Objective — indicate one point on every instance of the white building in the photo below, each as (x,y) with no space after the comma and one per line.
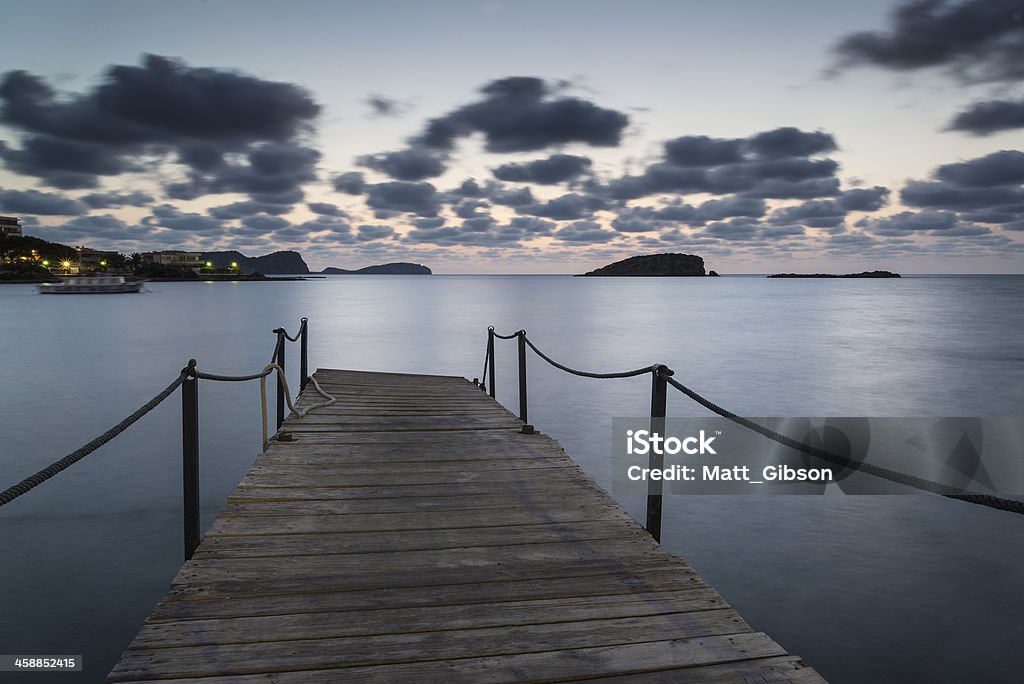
(9,225)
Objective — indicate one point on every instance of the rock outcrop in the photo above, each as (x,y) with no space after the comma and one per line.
(397,268)
(864,274)
(654,265)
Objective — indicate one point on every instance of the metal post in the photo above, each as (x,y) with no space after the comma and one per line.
(490,359)
(304,364)
(659,397)
(190,459)
(281,342)
(521,335)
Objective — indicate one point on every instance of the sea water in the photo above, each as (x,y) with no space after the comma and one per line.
(865,588)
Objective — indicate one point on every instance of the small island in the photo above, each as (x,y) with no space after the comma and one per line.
(397,268)
(864,274)
(659,265)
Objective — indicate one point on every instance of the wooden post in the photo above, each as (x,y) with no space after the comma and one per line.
(659,399)
(190,461)
(279,359)
(521,336)
(490,359)
(304,363)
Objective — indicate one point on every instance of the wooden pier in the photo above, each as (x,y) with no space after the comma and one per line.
(412,533)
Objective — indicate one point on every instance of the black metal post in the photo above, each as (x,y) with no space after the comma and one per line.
(490,359)
(521,335)
(304,363)
(659,398)
(190,459)
(281,342)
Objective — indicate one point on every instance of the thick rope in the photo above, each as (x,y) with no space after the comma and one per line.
(585,374)
(869,468)
(267,370)
(33,481)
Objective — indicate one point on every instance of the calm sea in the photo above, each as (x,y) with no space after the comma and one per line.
(870,588)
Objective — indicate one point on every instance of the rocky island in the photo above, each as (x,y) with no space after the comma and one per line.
(397,268)
(864,274)
(654,265)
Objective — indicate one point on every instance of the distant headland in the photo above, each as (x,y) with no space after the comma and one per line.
(864,274)
(397,268)
(662,265)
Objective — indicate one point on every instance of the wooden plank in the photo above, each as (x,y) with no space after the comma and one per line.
(290,655)
(185,603)
(546,665)
(405,619)
(410,532)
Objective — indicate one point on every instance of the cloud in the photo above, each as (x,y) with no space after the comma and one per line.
(1005,167)
(401,196)
(113,200)
(521,114)
(989,116)
(367,233)
(557,168)
(167,216)
(864,199)
(247,208)
(565,208)
(381,105)
(350,183)
(36,202)
(412,164)
(162,108)
(813,214)
(909,222)
(771,164)
(977,40)
(327,209)
(584,231)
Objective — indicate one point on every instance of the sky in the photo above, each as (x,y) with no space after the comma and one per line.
(523,137)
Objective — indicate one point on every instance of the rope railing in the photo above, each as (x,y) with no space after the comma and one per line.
(187,380)
(661,376)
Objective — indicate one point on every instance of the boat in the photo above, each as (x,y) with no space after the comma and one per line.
(91,284)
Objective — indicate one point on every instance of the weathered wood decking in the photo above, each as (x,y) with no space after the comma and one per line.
(410,533)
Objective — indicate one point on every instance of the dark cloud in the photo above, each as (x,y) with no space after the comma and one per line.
(565,208)
(521,114)
(401,196)
(381,105)
(909,222)
(948,196)
(700,150)
(989,116)
(270,172)
(772,164)
(327,209)
(111,200)
(557,168)
(36,202)
(1005,167)
(265,223)
(734,229)
(350,183)
(469,208)
(167,216)
(813,214)
(864,199)
(412,164)
(158,109)
(367,233)
(584,231)
(977,40)
(247,208)
(482,231)
(519,197)
(790,142)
